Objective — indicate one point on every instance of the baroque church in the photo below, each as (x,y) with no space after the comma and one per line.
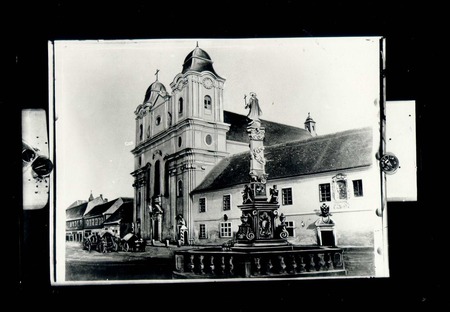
(191,163)
(180,137)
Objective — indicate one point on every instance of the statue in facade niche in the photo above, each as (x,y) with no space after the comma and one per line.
(254,110)
(180,220)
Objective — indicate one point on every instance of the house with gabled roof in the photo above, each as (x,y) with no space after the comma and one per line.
(95,218)
(120,222)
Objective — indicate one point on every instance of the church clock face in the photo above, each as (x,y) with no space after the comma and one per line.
(207,83)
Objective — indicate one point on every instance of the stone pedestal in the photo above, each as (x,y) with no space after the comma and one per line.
(258,226)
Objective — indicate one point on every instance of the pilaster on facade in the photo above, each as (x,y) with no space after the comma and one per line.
(139,172)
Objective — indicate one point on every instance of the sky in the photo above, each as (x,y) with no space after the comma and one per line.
(99,84)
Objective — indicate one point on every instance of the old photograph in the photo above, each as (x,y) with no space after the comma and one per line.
(198,160)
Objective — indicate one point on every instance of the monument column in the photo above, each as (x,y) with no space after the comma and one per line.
(258,226)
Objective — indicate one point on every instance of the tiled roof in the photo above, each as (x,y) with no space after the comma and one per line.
(77,203)
(276,133)
(74,212)
(337,151)
(124,213)
(99,209)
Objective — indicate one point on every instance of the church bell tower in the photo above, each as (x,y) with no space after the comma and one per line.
(180,136)
(197,99)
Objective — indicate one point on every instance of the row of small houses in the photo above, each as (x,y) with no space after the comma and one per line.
(98,214)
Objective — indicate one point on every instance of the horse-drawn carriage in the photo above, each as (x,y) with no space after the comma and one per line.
(92,242)
(103,241)
(110,242)
(131,242)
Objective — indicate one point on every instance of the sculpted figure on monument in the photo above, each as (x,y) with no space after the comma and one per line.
(274,195)
(254,110)
(265,229)
(247,195)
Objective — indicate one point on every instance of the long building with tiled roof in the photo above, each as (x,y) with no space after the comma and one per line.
(74,221)
(312,155)
(98,214)
(338,170)
(276,133)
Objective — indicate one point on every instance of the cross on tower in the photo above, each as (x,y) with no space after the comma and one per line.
(156,74)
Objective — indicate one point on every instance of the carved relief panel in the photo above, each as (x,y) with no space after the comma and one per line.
(341,191)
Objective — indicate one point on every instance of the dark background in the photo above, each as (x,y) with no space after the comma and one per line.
(414,59)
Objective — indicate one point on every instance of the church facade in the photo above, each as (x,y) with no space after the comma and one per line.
(191,164)
(180,136)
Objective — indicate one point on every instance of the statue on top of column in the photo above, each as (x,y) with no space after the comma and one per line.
(254,110)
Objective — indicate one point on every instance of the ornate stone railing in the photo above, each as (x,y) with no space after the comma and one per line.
(218,263)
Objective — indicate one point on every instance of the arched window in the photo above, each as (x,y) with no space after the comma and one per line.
(166,178)
(207,102)
(169,119)
(138,206)
(141,132)
(180,106)
(148,183)
(157,182)
(180,188)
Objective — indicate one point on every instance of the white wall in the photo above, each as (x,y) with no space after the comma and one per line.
(355,224)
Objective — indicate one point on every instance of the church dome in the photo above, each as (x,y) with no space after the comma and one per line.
(198,53)
(155,89)
(198,60)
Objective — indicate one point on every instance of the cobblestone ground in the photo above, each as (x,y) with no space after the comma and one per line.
(156,262)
